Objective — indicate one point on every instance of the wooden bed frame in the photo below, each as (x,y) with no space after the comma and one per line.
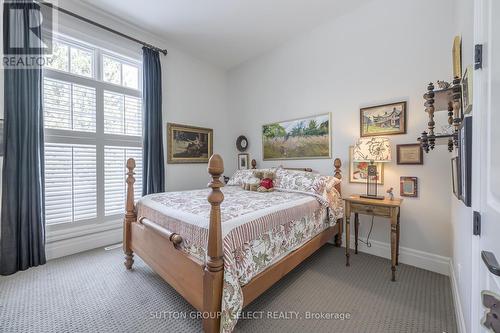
(199,283)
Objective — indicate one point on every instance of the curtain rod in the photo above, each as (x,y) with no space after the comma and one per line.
(84,19)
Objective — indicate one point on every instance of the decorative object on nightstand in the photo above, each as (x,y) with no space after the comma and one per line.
(409,154)
(390,209)
(391,194)
(409,187)
(242,143)
(243,161)
(373,149)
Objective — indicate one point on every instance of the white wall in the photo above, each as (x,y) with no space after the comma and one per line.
(461,216)
(385,51)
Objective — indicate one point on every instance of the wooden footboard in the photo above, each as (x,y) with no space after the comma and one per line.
(201,284)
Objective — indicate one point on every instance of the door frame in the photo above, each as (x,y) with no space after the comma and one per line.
(481,77)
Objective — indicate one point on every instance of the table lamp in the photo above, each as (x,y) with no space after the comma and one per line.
(373,149)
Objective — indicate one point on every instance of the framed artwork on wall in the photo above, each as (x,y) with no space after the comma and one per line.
(410,154)
(358,171)
(388,119)
(455,176)
(467,90)
(188,144)
(408,187)
(243,161)
(465,159)
(456,54)
(304,138)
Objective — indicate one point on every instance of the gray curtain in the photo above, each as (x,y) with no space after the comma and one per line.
(153,177)
(22,242)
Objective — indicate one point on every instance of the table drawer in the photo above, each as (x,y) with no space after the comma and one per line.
(371,210)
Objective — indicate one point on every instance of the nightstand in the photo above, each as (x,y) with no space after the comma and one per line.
(389,209)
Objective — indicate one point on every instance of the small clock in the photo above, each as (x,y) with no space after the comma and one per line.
(242,143)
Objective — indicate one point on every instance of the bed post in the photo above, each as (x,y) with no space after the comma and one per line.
(338,174)
(214,269)
(129,215)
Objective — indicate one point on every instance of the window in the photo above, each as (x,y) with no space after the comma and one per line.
(93,124)
(120,73)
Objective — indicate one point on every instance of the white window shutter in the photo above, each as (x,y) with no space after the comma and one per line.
(115,159)
(70,183)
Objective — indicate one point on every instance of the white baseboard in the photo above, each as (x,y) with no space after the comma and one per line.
(425,260)
(87,242)
(456,300)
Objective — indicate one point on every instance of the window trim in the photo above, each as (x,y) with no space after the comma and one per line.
(99,138)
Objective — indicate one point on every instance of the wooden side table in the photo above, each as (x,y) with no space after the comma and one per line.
(382,208)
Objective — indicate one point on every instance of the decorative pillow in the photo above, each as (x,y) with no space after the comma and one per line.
(304,181)
(241,177)
(295,180)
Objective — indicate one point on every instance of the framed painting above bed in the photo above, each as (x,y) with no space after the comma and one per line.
(303,138)
(188,144)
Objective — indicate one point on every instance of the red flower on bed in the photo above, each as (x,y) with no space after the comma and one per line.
(267,183)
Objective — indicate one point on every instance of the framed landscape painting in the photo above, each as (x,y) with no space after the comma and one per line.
(358,171)
(188,144)
(389,119)
(304,138)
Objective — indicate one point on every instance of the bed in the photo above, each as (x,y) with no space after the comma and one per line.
(221,249)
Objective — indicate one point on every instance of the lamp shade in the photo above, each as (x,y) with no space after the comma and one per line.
(376,149)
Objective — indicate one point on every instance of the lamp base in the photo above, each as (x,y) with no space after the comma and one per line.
(376,197)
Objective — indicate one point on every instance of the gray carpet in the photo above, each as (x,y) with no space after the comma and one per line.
(92,292)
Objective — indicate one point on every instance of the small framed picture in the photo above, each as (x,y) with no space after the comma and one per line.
(243,161)
(408,187)
(388,119)
(467,90)
(455,176)
(410,154)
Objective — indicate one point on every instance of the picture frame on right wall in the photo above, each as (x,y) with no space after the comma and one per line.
(455,176)
(465,160)
(408,187)
(467,93)
(410,154)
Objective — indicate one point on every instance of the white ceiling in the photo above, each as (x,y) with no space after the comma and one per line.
(227,32)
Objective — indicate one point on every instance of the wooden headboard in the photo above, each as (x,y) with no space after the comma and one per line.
(337,163)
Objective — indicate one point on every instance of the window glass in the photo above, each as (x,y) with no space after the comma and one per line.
(82,62)
(111,70)
(60,57)
(130,76)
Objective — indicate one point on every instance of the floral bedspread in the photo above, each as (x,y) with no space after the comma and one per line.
(258,229)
